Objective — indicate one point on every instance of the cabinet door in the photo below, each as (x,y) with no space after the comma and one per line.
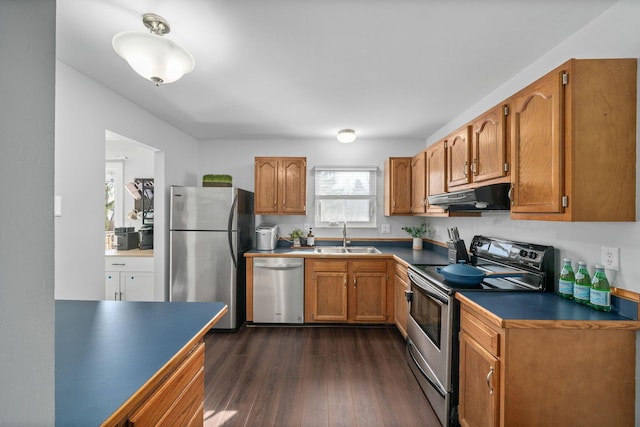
(330,296)
(368,296)
(137,286)
(397,186)
(112,286)
(401,312)
(458,154)
(418,183)
(536,135)
(266,185)
(293,190)
(436,164)
(489,148)
(479,385)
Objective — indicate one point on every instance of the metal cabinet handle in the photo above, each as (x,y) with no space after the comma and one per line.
(489,377)
(115,296)
(354,282)
(510,194)
(464,168)
(474,167)
(118,263)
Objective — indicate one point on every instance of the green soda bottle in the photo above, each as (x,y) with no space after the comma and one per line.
(567,279)
(582,286)
(600,296)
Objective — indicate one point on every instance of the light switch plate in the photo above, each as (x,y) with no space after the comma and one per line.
(385,228)
(57,206)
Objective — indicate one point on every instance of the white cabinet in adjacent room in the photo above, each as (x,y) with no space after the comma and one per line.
(128,278)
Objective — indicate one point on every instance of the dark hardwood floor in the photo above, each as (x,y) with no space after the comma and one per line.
(311,376)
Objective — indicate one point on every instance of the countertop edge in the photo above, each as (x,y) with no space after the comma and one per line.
(155,381)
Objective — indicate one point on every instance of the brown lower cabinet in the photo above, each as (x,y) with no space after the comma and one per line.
(401,284)
(178,397)
(544,373)
(348,291)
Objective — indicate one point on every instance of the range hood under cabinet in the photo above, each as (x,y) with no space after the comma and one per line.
(488,198)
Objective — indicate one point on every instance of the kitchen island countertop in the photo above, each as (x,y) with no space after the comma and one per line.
(107,350)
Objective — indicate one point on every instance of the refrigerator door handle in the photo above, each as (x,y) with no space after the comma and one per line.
(230,230)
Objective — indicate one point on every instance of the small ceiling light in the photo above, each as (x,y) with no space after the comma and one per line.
(151,55)
(346,136)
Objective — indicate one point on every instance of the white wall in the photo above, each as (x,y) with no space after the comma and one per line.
(79,178)
(27,47)
(236,158)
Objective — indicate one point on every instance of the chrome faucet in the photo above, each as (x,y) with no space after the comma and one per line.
(344,235)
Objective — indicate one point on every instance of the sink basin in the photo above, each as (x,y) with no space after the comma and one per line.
(363,250)
(346,251)
(330,250)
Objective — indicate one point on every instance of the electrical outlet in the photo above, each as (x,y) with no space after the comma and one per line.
(385,228)
(611,258)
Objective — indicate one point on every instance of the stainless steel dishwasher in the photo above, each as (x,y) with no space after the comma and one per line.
(278,290)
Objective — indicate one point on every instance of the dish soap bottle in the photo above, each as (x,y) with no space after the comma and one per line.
(600,296)
(582,286)
(567,279)
(310,238)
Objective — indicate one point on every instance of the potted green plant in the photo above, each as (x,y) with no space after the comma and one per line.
(416,233)
(296,235)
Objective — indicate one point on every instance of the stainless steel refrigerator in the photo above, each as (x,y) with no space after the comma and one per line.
(210,229)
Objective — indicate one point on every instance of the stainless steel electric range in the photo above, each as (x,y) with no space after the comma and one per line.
(434,315)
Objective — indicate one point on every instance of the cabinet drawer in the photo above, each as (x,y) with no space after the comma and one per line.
(401,272)
(479,331)
(123,263)
(368,265)
(183,390)
(322,265)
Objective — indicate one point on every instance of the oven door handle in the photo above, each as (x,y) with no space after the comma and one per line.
(431,377)
(428,289)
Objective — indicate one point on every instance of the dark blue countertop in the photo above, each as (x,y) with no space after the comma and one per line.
(106,350)
(533,306)
(430,255)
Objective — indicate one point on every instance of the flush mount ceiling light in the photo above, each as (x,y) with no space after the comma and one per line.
(346,136)
(151,55)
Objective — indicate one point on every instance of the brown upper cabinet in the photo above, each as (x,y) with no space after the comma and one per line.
(458,147)
(489,148)
(397,186)
(418,184)
(435,161)
(280,185)
(574,143)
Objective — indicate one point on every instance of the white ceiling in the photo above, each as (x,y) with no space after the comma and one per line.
(280,69)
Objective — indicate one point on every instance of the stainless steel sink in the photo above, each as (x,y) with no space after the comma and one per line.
(363,250)
(330,250)
(347,250)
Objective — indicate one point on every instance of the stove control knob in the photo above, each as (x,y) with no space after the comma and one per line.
(523,253)
(533,255)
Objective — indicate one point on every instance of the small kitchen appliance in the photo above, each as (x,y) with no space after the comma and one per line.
(146,236)
(433,323)
(266,237)
(125,238)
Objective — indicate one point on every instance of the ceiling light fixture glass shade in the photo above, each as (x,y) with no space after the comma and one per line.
(151,55)
(346,136)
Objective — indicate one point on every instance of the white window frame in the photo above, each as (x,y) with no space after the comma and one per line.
(368,197)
